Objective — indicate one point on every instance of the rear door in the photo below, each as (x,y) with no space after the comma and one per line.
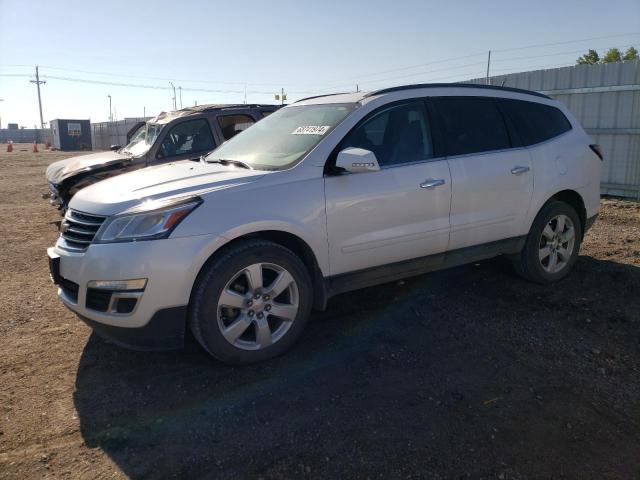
(231,124)
(492,182)
(398,213)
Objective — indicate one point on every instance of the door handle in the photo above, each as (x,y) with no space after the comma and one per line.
(432,183)
(519,170)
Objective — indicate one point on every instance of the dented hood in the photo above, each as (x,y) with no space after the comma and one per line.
(119,193)
(63,169)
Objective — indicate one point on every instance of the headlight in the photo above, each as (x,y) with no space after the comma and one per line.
(149,221)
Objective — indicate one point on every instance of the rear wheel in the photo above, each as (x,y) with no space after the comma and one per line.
(552,245)
(251,303)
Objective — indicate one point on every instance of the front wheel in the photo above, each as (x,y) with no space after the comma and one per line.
(552,245)
(251,303)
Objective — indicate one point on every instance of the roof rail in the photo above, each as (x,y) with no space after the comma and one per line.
(320,96)
(217,106)
(456,85)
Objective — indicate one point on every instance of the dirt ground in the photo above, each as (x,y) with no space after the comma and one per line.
(466,373)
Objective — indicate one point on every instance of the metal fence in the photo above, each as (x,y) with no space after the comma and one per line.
(105,134)
(606,100)
(25,135)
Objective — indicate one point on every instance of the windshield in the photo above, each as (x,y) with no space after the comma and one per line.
(284,137)
(143,139)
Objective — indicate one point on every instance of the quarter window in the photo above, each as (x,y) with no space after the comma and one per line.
(231,125)
(193,136)
(534,122)
(471,125)
(398,134)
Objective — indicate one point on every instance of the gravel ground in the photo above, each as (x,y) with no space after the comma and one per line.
(466,373)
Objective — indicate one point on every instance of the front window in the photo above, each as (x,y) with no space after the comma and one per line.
(187,138)
(284,137)
(143,139)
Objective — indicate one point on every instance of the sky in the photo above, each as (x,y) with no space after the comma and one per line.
(216,51)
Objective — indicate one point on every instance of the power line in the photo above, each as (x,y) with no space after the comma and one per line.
(145,77)
(146,86)
(428,72)
(556,54)
(444,60)
(568,42)
(352,79)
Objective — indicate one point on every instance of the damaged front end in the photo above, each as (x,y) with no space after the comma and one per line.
(66,182)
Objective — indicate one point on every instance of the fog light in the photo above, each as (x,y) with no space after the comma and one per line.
(119,285)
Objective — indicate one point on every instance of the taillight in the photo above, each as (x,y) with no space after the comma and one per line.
(597,150)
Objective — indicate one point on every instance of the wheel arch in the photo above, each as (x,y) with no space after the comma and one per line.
(290,241)
(574,199)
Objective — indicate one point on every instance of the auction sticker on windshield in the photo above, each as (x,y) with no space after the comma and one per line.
(311,130)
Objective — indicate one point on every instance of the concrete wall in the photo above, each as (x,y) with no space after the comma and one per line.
(26,135)
(606,100)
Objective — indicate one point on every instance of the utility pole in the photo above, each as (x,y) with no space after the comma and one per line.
(144,112)
(488,65)
(282,97)
(110,114)
(174,95)
(38,82)
(180,90)
(357,88)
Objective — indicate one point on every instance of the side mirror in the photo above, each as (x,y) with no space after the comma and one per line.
(113,148)
(357,160)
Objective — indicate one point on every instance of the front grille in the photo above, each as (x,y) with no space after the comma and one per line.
(78,229)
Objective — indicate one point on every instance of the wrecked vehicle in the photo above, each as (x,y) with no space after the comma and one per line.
(180,135)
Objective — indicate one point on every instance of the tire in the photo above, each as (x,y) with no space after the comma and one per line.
(235,317)
(545,242)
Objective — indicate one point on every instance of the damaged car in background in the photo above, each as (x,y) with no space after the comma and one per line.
(180,135)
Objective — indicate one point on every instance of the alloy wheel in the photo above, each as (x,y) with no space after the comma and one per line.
(557,243)
(257,306)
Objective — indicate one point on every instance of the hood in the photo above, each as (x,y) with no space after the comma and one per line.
(62,169)
(118,193)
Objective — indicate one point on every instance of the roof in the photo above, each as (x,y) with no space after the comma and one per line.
(359,96)
(166,117)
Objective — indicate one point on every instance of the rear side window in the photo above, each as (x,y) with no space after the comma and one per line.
(231,125)
(534,122)
(471,125)
(193,136)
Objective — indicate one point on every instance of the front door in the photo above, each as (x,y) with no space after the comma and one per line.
(398,213)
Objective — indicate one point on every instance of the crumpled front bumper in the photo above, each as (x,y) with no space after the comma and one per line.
(54,196)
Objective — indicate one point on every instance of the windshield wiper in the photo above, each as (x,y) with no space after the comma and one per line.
(225,161)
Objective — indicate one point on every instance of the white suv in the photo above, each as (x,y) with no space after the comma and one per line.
(329,194)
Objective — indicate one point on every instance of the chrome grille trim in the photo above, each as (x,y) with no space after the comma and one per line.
(78,229)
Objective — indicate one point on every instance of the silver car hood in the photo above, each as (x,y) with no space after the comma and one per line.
(62,169)
(119,193)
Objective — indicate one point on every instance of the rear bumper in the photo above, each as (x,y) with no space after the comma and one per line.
(165,331)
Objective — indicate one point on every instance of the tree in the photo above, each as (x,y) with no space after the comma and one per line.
(630,54)
(613,55)
(589,58)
